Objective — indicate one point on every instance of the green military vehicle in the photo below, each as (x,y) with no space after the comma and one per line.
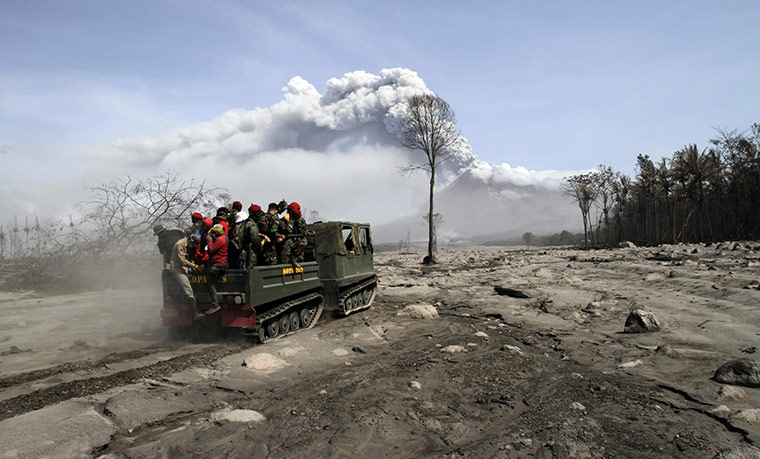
(273,301)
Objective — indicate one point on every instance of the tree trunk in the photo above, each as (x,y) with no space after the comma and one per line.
(431,222)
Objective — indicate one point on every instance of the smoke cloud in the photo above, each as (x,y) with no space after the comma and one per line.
(337,152)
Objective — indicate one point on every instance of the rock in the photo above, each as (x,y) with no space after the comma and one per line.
(419,311)
(631,364)
(73,428)
(667,351)
(135,408)
(576,375)
(751,415)
(229,415)
(481,334)
(264,362)
(510,292)
(577,406)
(14,350)
(739,452)
(731,393)
(526,442)
(721,410)
(340,352)
(415,385)
(512,349)
(323,392)
(627,245)
(453,349)
(358,349)
(741,372)
(641,321)
(542,272)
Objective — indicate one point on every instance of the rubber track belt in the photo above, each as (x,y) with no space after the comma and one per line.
(260,319)
(345,295)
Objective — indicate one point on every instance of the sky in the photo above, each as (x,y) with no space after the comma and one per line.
(537,85)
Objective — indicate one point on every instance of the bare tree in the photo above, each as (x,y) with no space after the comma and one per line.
(582,189)
(604,181)
(430,126)
(121,212)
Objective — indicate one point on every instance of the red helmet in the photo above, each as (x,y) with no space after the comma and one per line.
(196,215)
(208,223)
(254,208)
(295,208)
(237,205)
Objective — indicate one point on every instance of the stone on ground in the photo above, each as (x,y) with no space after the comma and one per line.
(230,415)
(481,334)
(631,364)
(264,362)
(577,406)
(667,351)
(731,393)
(415,385)
(739,452)
(453,349)
(134,408)
(721,410)
(741,372)
(751,415)
(641,321)
(627,245)
(419,311)
(512,349)
(69,429)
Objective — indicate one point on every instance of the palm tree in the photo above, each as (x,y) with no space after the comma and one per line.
(694,170)
(665,180)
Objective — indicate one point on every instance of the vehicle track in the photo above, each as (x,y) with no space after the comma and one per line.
(88,386)
(86,365)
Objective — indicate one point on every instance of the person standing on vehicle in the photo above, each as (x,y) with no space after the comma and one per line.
(166,240)
(235,221)
(293,225)
(269,229)
(217,261)
(199,254)
(197,221)
(180,264)
(222,216)
(250,238)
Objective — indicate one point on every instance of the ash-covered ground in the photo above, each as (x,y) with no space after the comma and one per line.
(550,375)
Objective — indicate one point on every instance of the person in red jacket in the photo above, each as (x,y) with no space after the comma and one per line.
(200,255)
(217,261)
(222,216)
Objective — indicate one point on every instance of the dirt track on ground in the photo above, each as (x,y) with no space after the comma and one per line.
(550,375)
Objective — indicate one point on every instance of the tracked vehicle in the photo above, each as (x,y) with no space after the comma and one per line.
(273,301)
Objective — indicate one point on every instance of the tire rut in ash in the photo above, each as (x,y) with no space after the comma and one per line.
(69,367)
(83,387)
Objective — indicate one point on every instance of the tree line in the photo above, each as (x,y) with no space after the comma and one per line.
(695,195)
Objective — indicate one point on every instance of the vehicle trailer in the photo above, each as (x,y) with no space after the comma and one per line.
(272,301)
